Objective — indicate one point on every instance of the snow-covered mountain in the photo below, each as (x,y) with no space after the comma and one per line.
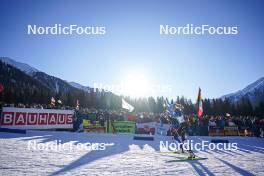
(53,83)
(81,87)
(27,85)
(254,92)
(21,66)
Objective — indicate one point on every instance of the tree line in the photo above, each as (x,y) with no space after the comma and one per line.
(22,88)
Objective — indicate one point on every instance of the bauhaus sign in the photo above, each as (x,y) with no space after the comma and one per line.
(30,118)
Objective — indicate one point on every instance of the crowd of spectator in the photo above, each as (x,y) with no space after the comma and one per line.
(201,126)
(197,126)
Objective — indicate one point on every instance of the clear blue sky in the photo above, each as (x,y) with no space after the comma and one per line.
(218,64)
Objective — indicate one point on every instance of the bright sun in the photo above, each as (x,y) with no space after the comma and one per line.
(136,84)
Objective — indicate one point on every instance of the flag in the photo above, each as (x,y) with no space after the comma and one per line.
(1,88)
(127,106)
(199,104)
(77,104)
(174,110)
(52,101)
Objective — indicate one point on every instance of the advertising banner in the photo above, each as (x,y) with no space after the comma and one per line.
(216,131)
(231,131)
(122,127)
(31,118)
(162,129)
(245,131)
(146,128)
(93,126)
(86,123)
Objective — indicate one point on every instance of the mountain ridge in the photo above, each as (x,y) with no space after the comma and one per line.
(19,65)
(53,83)
(254,92)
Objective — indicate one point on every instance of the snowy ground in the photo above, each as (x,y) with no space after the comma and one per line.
(124,156)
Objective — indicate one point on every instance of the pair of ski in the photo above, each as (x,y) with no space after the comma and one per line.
(184,158)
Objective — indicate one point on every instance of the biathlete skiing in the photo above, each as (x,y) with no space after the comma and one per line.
(179,127)
(179,135)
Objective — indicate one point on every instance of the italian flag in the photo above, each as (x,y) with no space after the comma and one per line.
(199,104)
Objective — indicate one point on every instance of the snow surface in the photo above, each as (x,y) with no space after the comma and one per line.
(123,156)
